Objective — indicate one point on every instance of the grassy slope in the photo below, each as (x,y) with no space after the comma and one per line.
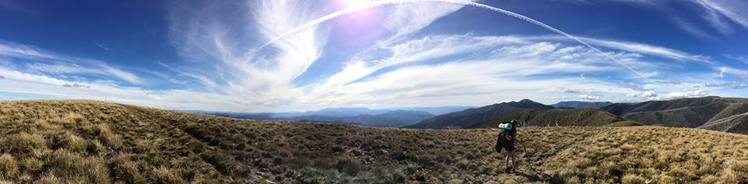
(686,112)
(93,142)
(557,117)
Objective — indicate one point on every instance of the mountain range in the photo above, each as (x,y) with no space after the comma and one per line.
(351,115)
(528,112)
(396,118)
(715,113)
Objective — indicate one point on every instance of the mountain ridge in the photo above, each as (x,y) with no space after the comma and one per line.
(703,112)
(471,117)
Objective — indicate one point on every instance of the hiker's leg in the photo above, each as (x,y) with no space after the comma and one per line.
(506,160)
(514,161)
(510,155)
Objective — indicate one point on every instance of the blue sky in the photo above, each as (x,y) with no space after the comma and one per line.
(285,55)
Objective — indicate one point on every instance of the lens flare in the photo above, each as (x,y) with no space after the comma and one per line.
(354,3)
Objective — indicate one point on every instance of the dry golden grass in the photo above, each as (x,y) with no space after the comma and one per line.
(95,142)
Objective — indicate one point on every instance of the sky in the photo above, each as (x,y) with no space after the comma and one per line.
(287,55)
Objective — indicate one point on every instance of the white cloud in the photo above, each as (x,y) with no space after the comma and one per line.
(22,82)
(405,20)
(222,54)
(650,94)
(473,78)
(732,71)
(589,97)
(742,59)
(640,48)
(734,10)
(718,13)
(49,62)
(691,93)
(217,48)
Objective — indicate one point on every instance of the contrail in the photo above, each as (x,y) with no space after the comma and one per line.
(373,4)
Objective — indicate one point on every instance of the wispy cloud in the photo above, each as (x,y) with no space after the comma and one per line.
(405,20)
(732,71)
(218,56)
(450,58)
(640,48)
(736,11)
(720,14)
(741,59)
(49,62)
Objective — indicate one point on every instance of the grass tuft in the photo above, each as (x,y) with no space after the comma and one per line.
(165,175)
(22,142)
(8,166)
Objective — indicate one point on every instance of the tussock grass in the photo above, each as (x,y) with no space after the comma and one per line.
(22,142)
(166,176)
(95,142)
(8,166)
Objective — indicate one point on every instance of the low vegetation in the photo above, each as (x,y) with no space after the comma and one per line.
(96,142)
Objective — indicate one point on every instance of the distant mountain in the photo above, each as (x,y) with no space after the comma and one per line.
(355,111)
(473,116)
(556,117)
(717,113)
(395,118)
(437,110)
(580,104)
(332,112)
(255,116)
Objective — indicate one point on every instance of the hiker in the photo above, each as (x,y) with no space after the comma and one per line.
(506,141)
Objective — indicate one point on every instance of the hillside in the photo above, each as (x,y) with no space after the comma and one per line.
(705,112)
(95,142)
(474,116)
(556,117)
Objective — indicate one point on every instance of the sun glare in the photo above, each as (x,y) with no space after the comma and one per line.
(354,3)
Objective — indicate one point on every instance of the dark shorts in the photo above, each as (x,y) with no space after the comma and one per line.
(505,146)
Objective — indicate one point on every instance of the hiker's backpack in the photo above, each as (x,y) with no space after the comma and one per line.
(506,128)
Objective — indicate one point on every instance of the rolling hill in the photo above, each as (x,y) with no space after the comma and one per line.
(717,113)
(527,112)
(556,117)
(471,117)
(97,142)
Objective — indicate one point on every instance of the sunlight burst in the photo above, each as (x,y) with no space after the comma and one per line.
(354,3)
